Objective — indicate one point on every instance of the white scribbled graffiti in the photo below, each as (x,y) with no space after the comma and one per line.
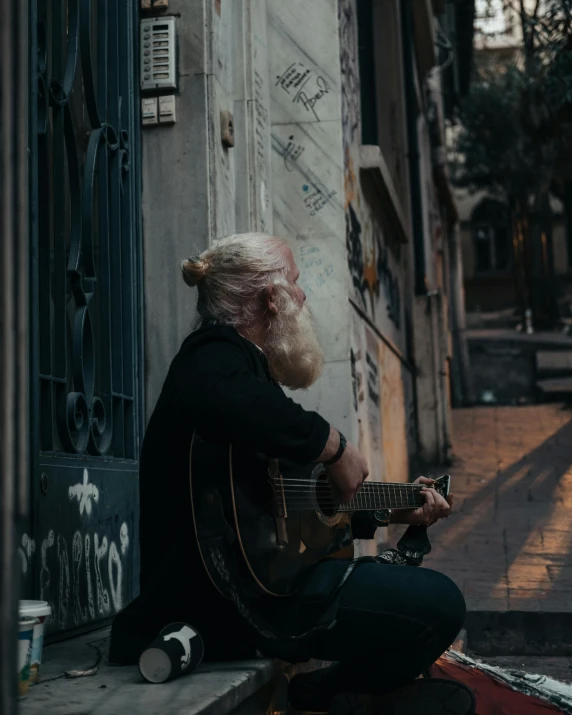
(124,538)
(64,586)
(115,583)
(26,551)
(84,492)
(77,552)
(102,593)
(45,575)
(90,602)
(73,594)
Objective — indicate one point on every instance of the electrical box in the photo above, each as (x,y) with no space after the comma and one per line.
(149,112)
(158,52)
(167,109)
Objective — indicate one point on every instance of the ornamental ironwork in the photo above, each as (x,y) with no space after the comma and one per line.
(86,262)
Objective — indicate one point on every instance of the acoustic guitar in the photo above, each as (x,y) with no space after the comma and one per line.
(275,520)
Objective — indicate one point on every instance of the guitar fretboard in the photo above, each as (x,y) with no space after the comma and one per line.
(384,495)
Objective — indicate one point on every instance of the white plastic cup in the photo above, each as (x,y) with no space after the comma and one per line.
(25,634)
(178,649)
(40,611)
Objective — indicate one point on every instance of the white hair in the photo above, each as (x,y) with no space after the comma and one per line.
(232,274)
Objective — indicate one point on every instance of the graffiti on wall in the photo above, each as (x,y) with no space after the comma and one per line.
(377,269)
(292,152)
(372,275)
(349,70)
(374,271)
(316,196)
(26,551)
(381,403)
(305,86)
(372,379)
(83,578)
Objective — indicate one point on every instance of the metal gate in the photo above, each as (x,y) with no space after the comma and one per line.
(80,553)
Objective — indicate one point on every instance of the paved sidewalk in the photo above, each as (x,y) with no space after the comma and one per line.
(509,543)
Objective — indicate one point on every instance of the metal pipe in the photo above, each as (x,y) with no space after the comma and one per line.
(413,149)
(14,378)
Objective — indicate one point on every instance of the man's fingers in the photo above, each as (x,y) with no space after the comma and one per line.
(441,505)
(429,495)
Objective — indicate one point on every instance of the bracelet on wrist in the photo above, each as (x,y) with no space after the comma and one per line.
(338,455)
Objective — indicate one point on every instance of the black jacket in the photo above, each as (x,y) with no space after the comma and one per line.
(219,385)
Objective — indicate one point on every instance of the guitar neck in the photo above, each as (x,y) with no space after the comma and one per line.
(385,495)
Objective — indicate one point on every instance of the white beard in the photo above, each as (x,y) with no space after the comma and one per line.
(294,353)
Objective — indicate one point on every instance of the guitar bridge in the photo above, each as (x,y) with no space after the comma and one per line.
(279,501)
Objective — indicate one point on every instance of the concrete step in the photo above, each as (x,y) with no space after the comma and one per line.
(555,387)
(239,688)
(553,363)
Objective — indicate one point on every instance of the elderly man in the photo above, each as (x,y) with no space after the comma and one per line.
(385,624)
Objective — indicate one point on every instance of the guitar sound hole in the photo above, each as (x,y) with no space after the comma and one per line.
(324,496)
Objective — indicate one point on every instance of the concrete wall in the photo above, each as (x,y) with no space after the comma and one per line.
(307,181)
(178,197)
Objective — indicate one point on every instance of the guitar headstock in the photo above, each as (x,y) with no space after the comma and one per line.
(443,485)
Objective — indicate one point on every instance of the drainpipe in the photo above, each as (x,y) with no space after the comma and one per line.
(413,149)
(14,319)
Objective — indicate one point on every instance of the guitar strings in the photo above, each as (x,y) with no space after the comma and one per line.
(323,488)
(325,497)
(326,488)
(382,485)
(328,497)
(321,494)
(306,493)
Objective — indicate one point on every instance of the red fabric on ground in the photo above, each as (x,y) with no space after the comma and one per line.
(493,697)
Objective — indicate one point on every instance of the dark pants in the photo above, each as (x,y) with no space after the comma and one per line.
(392,624)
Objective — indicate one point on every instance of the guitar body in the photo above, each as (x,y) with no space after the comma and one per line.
(241,498)
(263,525)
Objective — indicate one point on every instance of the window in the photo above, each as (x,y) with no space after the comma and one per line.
(382,102)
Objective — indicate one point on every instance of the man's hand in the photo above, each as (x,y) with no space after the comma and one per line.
(435,507)
(347,475)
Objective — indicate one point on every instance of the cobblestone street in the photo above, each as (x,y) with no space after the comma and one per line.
(508,544)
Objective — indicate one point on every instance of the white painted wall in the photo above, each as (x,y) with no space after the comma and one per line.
(307,182)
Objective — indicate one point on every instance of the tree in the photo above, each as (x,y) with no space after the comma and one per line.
(515,140)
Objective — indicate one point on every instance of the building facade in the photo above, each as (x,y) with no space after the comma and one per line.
(318,122)
(488,260)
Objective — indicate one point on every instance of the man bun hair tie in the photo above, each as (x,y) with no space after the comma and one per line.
(194,270)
